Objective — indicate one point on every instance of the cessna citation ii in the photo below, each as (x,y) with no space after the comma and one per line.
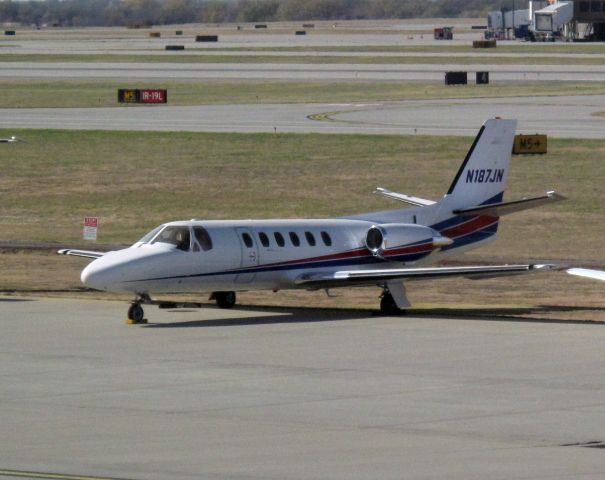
(382,248)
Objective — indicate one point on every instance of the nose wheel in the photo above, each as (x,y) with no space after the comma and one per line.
(136,314)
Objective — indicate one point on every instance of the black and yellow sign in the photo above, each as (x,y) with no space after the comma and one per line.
(128,95)
(525,144)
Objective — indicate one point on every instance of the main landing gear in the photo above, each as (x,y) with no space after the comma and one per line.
(388,306)
(224,299)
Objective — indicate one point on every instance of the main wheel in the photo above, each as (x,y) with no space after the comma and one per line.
(225,299)
(388,305)
(136,313)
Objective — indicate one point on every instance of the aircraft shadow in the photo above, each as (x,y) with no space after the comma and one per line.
(16,299)
(281,315)
(514,314)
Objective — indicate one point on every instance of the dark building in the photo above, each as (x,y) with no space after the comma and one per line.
(591,12)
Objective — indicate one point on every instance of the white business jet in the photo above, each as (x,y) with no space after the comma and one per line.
(382,248)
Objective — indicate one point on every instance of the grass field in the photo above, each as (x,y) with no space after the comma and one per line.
(135,180)
(201,57)
(26,93)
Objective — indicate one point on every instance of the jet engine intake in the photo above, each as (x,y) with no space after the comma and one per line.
(393,237)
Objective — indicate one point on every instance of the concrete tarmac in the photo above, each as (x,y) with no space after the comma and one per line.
(302,394)
(294,71)
(568,117)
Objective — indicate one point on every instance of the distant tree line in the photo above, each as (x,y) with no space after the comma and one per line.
(159,12)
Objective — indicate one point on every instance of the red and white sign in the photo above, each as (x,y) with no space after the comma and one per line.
(90,228)
(153,96)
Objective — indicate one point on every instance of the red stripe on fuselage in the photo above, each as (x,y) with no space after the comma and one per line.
(356,253)
(470,226)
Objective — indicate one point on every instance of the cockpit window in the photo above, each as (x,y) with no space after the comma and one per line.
(202,236)
(174,235)
(149,236)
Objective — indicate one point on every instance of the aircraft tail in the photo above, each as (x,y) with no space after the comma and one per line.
(480,181)
(482,176)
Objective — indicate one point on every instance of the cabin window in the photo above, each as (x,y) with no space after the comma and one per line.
(247,240)
(595,7)
(203,238)
(584,6)
(310,238)
(178,236)
(279,238)
(294,239)
(325,236)
(264,240)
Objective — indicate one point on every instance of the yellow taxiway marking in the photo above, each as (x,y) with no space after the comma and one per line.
(51,476)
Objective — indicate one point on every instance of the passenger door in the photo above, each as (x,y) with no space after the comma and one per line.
(249,255)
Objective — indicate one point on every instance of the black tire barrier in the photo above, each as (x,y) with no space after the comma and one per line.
(175,47)
(484,43)
(260,25)
(456,78)
(206,38)
(178,32)
(300,32)
(482,78)
(9,32)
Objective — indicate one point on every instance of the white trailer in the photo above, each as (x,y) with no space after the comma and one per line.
(555,20)
(499,22)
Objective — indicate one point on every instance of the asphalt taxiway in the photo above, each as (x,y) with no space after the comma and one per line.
(294,71)
(277,394)
(568,117)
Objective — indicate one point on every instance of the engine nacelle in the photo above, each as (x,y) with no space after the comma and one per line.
(393,237)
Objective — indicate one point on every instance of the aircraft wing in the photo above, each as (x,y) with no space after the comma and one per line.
(588,273)
(373,277)
(504,208)
(80,253)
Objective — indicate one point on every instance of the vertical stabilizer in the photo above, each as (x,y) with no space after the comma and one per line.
(482,177)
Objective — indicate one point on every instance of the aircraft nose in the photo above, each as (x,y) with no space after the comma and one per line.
(102,275)
(94,276)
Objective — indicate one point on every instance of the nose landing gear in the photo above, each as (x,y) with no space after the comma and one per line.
(136,314)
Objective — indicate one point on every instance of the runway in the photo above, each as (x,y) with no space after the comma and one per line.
(272,394)
(568,117)
(294,71)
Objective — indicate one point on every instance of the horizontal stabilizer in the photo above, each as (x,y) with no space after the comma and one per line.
(588,273)
(504,208)
(417,202)
(368,277)
(81,253)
